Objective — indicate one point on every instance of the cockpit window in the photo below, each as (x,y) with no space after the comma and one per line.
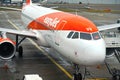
(86,36)
(70,34)
(96,36)
(75,36)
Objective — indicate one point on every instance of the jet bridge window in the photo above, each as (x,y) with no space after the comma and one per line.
(85,36)
(96,36)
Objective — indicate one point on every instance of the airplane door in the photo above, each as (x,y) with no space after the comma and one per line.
(58,36)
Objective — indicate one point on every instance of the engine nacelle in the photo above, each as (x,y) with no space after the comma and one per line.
(109,52)
(7,48)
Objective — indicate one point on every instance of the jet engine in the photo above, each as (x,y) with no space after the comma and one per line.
(109,52)
(7,48)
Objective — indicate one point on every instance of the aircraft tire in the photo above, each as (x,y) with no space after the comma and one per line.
(116,77)
(77,76)
(20,51)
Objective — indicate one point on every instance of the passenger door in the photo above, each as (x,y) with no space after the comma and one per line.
(58,36)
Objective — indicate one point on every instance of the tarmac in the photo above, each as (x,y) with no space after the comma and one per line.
(49,64)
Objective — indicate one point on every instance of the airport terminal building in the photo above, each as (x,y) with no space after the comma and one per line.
(86,1)
(98,1)
(73,1)
(89,1)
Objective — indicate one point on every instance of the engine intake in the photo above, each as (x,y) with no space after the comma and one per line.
(7,48)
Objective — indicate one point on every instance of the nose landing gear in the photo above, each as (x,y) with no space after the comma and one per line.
(77,75)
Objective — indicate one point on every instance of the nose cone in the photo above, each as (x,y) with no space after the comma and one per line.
(94,54)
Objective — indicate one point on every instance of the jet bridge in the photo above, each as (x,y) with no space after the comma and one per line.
(112,40)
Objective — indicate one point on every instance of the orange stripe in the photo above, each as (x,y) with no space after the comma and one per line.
(35,25)
(6,39)
(63,21)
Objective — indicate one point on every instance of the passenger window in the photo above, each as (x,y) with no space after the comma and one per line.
(86,36)
(75,36)
(96,36)
(70,34)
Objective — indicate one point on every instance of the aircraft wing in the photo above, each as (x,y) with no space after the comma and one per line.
(111,26)
(19,32)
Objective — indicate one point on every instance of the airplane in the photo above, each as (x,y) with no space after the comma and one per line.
(44,1)
(75,37)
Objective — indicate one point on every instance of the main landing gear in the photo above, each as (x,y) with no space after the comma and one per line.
(19,48)
(77,75)
(20,51)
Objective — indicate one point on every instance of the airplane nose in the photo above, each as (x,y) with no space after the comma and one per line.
(95,54)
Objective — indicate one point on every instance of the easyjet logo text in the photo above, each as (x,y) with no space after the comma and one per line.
(51,22)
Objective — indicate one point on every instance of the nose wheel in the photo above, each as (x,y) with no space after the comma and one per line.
(77,75)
